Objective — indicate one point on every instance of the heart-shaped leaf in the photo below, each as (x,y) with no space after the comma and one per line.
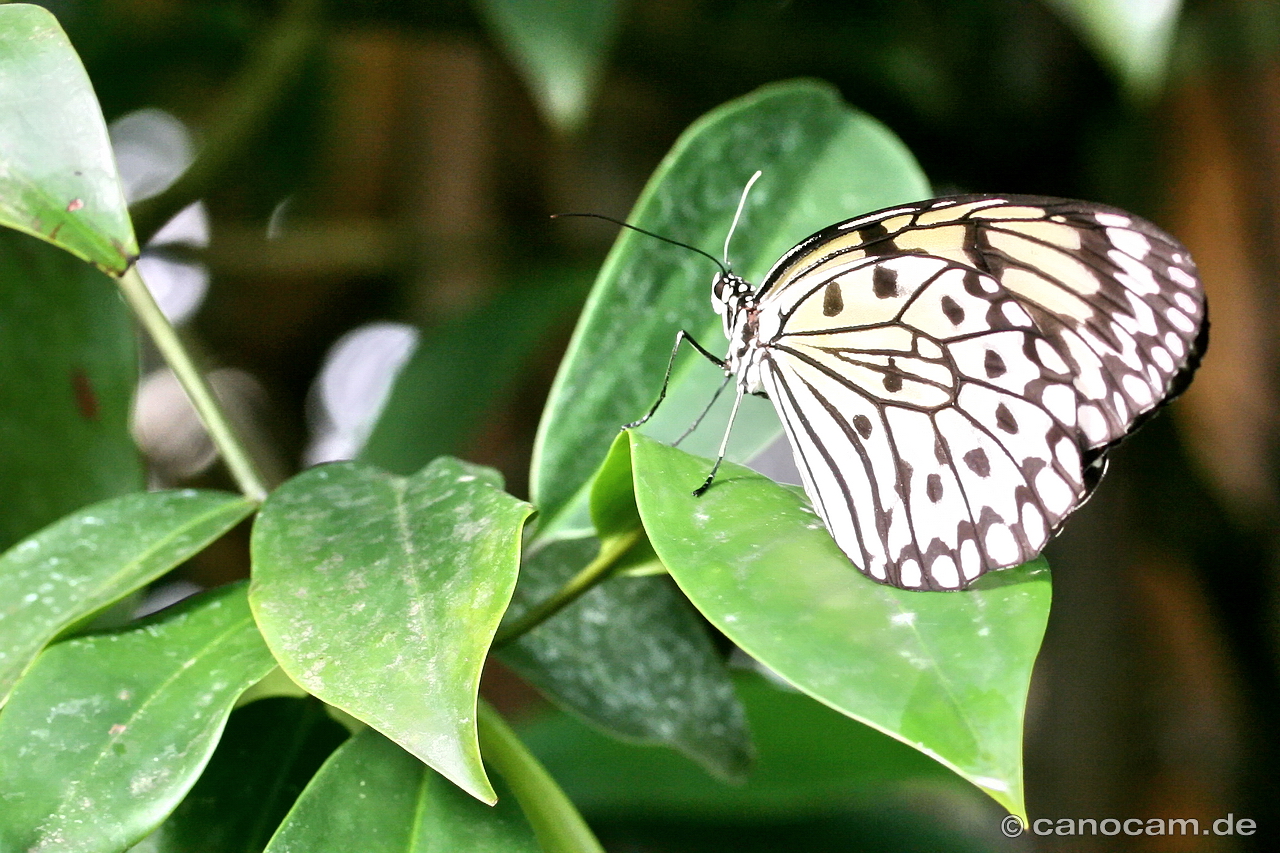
(944,672)
(106,733)
(381,595)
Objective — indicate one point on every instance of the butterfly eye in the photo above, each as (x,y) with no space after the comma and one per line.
(720,288)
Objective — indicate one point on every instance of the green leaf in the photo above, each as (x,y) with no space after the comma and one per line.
(58,176)
(823,162)
(461,368)
(95,557)
(560,48)
(613,499)
(106,733)
(944,672)
(811,761)
(267,755)
(381,595)
(632,657)
(70,360)
(373,797)
(1134,37)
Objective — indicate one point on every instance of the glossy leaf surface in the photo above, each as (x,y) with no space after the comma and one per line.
(58,176)
(374,797)
(96,556)
(945,672)
(822,161)
(381,594)
(106,733)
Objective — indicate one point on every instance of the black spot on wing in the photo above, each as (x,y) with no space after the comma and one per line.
(1005,419)
(994,365)
(884,282)
(952,310)
(832,300)
(862,424)
(933,488)
(978,462)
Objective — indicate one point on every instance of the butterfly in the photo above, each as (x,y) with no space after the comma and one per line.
(951,373)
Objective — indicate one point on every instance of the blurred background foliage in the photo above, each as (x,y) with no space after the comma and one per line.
(375,179)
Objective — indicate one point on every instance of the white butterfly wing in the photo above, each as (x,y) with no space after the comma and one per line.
(947,372)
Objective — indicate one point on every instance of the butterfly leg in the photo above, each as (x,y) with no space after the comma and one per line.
(724,442)
(698,419)
(681,337)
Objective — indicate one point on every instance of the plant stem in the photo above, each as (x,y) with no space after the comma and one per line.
(556,822)
(215,420)
(611,549)
(263,81)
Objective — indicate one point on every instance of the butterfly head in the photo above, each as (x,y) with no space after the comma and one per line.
(729,292)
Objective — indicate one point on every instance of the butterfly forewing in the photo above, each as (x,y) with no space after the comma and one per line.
(947,371)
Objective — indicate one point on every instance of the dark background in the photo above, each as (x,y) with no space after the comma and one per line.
(417,176)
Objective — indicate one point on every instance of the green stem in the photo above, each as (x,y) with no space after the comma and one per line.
(610,550)
(257,90)
(556,822)
(166,339)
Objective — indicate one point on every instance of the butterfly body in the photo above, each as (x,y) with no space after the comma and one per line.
(950,373)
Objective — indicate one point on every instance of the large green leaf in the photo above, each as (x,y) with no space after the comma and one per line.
(1134,37)
(373,797)
(267,755)
(95,557)
(944,672)
(632,657)
(58,176)
(70,366)
(106,733)
(822,160)
(381,594)
(560,48)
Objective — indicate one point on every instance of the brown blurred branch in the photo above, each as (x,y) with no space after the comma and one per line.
(271,70)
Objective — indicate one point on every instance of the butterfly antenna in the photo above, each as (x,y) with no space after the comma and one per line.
(723,268)
(742,202)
